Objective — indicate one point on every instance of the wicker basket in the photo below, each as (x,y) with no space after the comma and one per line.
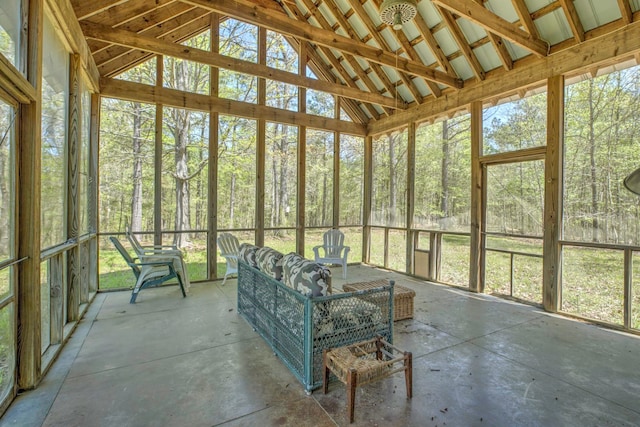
(402,297)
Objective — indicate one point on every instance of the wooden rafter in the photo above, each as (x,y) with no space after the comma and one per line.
(245,10)
(293,10)
(620,43)
(406,45)
(625,10)
(525,17)
(375,33)
(153,45)
(117,57)
(121,14)
(84,9)
(499,46)
(462,42)
(574,19)
(353,63)
(157,23)
(491,22)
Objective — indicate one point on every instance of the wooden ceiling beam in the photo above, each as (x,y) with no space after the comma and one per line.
(159,21)
(172,30)
(574,20)
(84,9)
(498,45)
(161,95)
(161,47)
(607,47)
(294,11)
(406,44)
(353,63)
(491,22)
(525,17)
(373,31)
(463,44)
(247,11)
(373,67)
(118,15)
(625,10)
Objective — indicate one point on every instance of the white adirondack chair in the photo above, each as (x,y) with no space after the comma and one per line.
(335,252)
(228,244)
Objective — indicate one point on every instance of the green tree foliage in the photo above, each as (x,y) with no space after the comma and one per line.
(601,147)
(351,179)
(388,199)
(319,178)
(236,172)
(443,175)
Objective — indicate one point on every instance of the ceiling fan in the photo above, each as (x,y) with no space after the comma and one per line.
(396,13)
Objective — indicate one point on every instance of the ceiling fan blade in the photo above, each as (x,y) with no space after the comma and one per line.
(632,182)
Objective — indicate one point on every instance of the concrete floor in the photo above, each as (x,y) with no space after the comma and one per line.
(478,361)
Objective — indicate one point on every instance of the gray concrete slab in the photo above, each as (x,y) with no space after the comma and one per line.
(478,361)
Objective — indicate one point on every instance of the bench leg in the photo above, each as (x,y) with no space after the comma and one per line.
(352,383)
(325,372)
(408,373)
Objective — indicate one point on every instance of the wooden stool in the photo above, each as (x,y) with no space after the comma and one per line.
(363,363)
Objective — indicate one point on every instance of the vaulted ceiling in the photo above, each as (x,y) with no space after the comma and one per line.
(376,70)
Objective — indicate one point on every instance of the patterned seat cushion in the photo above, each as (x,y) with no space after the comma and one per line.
(268,262)
(247,253)
(305,276)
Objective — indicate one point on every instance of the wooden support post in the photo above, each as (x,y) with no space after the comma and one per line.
(212,179)
(411,177)
(366,205)
(260,180)
(336,176)
(28,219)
(94,218)
(73,157)
(628,285)
(551,252)
(476,283)
(157,183)
(302,156)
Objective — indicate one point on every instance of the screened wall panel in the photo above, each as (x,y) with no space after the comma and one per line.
(443,175)
(236,173)
(351,179)
(602,134)
(515,124)
(55,95)
(10,31)
(319,178)
(388,199)
(127,149)
(281,175)
(185,152)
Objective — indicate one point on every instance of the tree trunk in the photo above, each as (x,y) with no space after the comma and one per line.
(136,196)
(392,183)
(182,221)
(444,177)
(592,159)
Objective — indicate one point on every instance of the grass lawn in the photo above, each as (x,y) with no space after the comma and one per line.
(592,279)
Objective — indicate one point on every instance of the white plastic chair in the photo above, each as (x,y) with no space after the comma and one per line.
(334,250)
(228,244)
(160,253)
